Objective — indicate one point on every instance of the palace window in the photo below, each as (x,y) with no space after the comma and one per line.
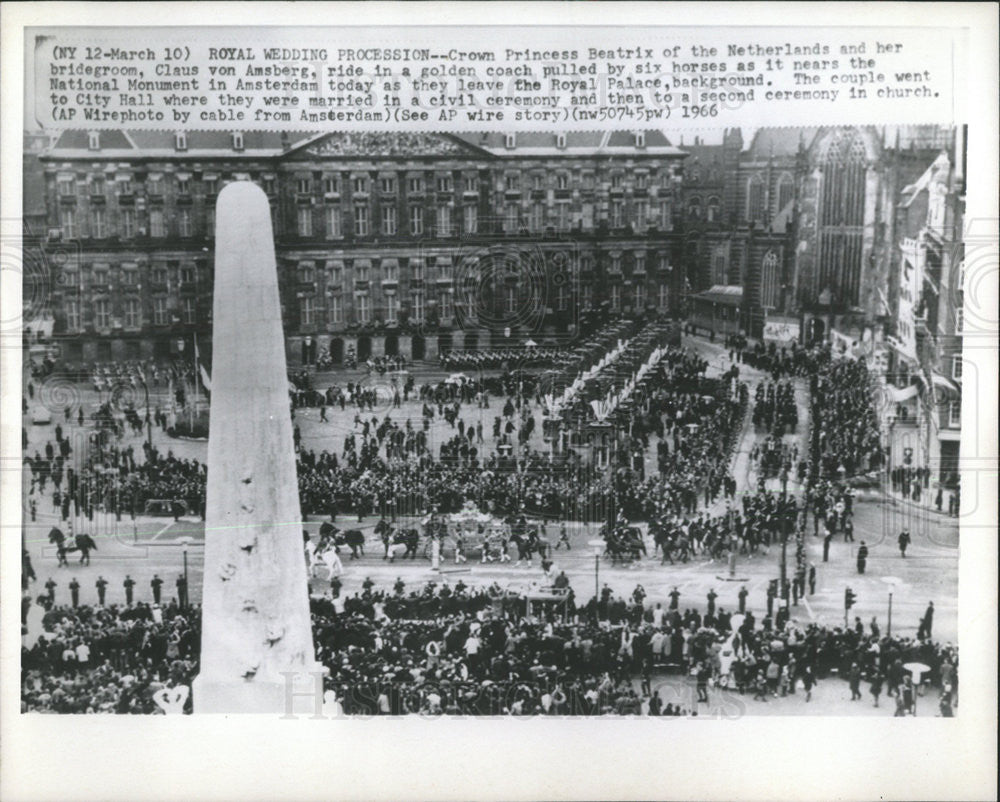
(307,311)
(335,309)
(444,220)
(334,223)
(617,214)
(445,304)
(361,227)
(102,313)
(160,311)
(133,316)
(363,305)
(127,220)
(305,225)
(537,217)
(416,220)
(156,226)
(389,220)
(470,219)
(510,220)
(641,214)
(98,223)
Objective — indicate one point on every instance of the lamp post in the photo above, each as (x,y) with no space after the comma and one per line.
(597,544)
(892,582)
(149,417)
(185,543)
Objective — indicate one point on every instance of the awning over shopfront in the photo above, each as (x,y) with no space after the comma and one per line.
(727,295)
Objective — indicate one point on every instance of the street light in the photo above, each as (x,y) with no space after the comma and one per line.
(149,417)
(891,581)
(597,545)
(185,542)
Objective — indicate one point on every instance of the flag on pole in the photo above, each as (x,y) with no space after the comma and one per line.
(202,372)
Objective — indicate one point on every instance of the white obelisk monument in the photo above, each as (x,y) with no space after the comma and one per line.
(255,601)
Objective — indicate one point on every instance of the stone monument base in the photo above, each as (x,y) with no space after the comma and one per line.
(292,696)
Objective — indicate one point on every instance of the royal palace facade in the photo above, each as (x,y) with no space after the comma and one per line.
(386,243)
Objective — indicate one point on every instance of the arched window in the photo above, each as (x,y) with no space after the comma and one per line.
(770,287)
(786,191)
(694,207)
(755,199)
(712,210)
(841,217)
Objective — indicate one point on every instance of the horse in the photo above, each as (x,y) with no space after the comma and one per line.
(354,539)
(409,539)
(634,539)
(82,543)
(329,560)
(623,544)
(57,537)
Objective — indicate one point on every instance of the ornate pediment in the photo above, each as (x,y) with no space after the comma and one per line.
(376,144)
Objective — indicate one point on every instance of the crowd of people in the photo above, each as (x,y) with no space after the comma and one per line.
(455,650)
(114,659)
(774,407)
(390,465)
(845,429)
(111,478)
(782,361)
